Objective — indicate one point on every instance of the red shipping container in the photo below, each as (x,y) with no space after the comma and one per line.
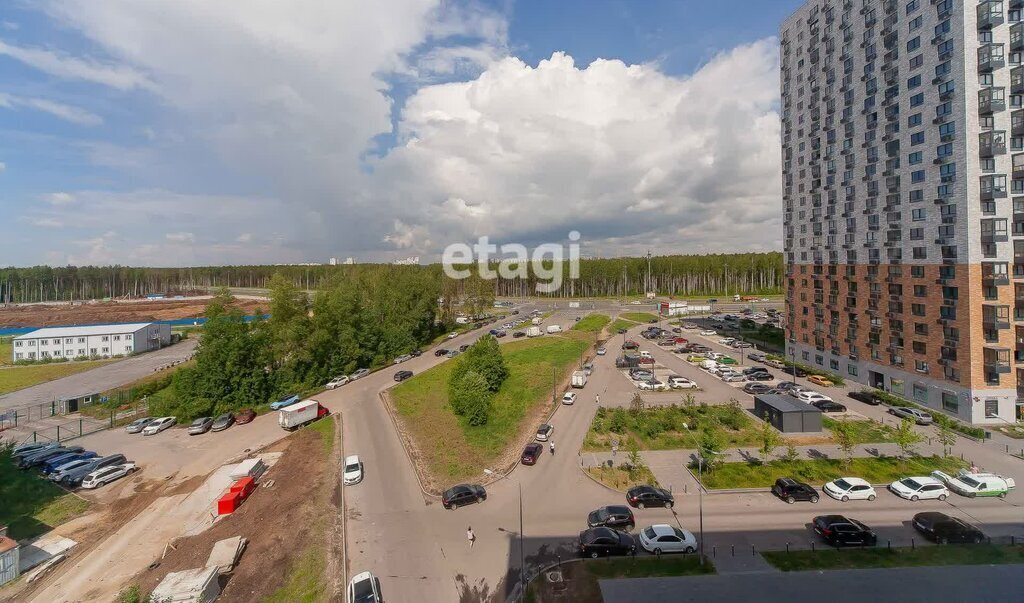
(245,485)
(228,503)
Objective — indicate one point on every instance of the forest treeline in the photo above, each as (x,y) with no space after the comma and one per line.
(681,275)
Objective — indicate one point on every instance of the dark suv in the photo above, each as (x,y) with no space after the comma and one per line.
(790,490)
(649,496)
(402,375)
(838,531)
(866,398)
(944,529)
(612,516)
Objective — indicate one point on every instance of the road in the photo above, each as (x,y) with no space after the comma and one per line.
(100,379)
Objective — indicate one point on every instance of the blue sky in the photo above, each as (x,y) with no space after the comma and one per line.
(182,132)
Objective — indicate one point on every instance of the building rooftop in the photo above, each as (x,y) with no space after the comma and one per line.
(83,331)
(785,403)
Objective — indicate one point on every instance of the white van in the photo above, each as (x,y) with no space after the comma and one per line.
(554,329)
(709,365)
(645,354)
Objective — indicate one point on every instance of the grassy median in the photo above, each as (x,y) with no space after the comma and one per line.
(877,470)
(866,431)
(673,427)
(580,579)
(644,317)
(32,505)
(592,323)
(950,554)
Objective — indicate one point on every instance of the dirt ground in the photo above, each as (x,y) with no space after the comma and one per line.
(275,520)
(46,315)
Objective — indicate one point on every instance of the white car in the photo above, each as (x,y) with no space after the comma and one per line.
(732,377)
(106,475)
(337,382)
(452,335)
(810,397)
(849,488)
(726,340)
(569,398)
(677,382)
(159,425)
(364,588)
(714,355)
(663,538)
(652,385)
(601,351)
(917,488)
(353,473)
(709,332)
(402,358)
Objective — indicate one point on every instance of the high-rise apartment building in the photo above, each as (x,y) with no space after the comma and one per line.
(903,180)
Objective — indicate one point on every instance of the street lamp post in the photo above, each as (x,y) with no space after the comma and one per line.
(700,503)
(522,554)
(792,354)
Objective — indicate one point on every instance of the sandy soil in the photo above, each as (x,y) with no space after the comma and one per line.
(44,315)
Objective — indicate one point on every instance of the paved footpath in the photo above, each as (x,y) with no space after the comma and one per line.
(991,583)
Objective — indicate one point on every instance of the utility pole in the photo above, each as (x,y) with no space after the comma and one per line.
(522,555)
(648,290)
(700,507)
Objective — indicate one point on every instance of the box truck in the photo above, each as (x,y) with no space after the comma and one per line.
(554,329)
(537,320)
(295,416)
(579,379)
(534,332)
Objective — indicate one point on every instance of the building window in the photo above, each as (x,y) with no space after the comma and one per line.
(917,138)
(117,338)
(950,403)
(920,393)
(851,369)
(914,120)
(915,158)
(991,408)
(833,364)
(917,176)
(17,344)
(896,386)
(805,355)
(105,338)
(918,99)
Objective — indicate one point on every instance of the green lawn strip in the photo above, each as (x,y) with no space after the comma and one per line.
(32,505)
(592,323)
(639,316)
(5,352)
(620,324)
(880,470)
(951,554)
(1014,431)
(621,479)
(661,427)
(866,432)
(454,450)
(13,378)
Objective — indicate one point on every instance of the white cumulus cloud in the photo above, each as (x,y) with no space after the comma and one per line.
(180,237)
(60,198)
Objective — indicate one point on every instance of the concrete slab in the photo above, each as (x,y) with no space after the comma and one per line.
(41,549)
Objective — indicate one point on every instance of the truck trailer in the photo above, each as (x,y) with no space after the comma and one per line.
(295,416)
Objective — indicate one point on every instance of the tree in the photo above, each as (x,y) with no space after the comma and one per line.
(947,437)
(711,445)
(636,405)
(792,454)
(634,460)
(483,357)
(906,438)
(845,435)
(769,438)
(470,397)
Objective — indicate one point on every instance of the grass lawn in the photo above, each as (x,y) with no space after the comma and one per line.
(5,352)
(19,377)
(580,578)
(866,432)
(639,316)
(661,427)
(950,554)
(880,470)
(1013,431)
(592,323)
(619,478)
(452,449)
(33,505)
(620,324)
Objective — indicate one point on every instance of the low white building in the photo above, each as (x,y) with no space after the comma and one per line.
(101,341)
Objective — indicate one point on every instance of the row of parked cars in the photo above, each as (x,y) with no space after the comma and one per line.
(72,466)
(936,486)
(148,426)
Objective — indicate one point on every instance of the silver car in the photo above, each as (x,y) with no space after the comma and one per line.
(200,426)
(138,425)
(918,416)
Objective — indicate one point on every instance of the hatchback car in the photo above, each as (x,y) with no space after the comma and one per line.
(677,382)
(440,352)
(353,472)
(663,538)
(849,488)
(569,398)
(245,416)
(865,397)
(106,475)
(810,397)
(603,542)
(828,406)
(402,358)
(159,425)
(918,416)
(838,531)
(463,494)
(618,517)
(642,497)
(791,490)
(364,588)
(544,432)
(918,488)
(200,426)
(402,375)
(138,425)
(531,453)
(223,422)
(944,529)
(601,351)
(756,388)
(819,380)
(451,353)
(337,382)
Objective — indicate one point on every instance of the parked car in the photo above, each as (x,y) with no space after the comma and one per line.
(28,448)
(809,397)
(518,334)
(778,364)
(639,374)
(757,356)
(649,496)
(828,406)
(402,358)
(463,347)
(353,472)
(789,387)
(741,345)
(402,375)
(67,468)
(57,462)
(440,352)
(652,385)
(663,538)
(73,477)
(696,358)
(245,416)
(544,432)
(820,380)
(699,349)
(793,370)
(159,425)
(837,530)
(726,340)
(138,425)
(223,422)
(976,484)
(598,542)
(106,475)
(756,388)
(416,353)
(791,490)
(917,488)
(918,416)
(630,345)
(531,453)
(359,374)
(849,488)
(677,382)
(337,382)
(944,529)
(601,351)
(569,398)
(452,353)
(364,587)
(865,397)
(723,359)
(731,376)
(709,333)
(200,426)
(760,376)
(463,494)
(452,335)
(285,401)
(618,517)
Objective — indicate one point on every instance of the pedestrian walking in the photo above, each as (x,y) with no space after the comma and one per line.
(597,399)
(471,536)
(551,445)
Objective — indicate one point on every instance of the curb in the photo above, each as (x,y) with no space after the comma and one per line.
(386,400)
(344,504)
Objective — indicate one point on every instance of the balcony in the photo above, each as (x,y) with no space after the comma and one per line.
(990,58)
(995,317)
(997,360)
(991,100)
(1017,80)
(1017,123)
(995,273)
(990,14)
(991,144)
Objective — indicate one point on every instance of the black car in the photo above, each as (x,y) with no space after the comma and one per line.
(596,542)
(500,334)
(838,531)
(518,334)
(621,331)
(493,331)
(463,494)
(760,376)
(416,353)
(790,490)
(676,330)
(866,398)
(652,321)
(464,347)
(944,529)
(793,370)
(828,406)
(618,517)
(223,422)
(756,388)
(402,375)
(649,496)
(440,352)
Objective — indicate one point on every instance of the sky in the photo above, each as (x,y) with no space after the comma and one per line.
(211,132)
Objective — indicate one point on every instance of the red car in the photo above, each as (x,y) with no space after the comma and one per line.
(531,453)
(646,360)
(682,340)
(245,416)
(630,345)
